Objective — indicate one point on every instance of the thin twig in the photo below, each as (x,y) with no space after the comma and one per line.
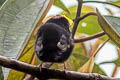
(76,22)
(50,73)
(90,37)
(116,67)
(98,49)
(86,15)
(102,3)
(115,71)
(106,62)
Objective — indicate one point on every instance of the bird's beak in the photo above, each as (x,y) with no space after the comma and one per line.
(68,19)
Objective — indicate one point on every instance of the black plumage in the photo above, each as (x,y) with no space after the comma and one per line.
(54,42)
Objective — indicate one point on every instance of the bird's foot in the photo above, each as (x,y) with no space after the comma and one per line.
(65,68)
(40,67)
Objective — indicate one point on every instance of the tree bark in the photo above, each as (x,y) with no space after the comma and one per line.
(50,73)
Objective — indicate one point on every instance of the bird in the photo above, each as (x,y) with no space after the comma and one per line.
(54,41)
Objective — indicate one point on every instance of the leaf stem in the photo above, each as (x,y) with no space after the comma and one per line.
(101,2)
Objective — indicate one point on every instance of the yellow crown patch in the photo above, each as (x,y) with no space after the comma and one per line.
(68,19)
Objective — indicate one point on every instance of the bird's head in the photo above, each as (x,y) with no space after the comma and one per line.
(61,20)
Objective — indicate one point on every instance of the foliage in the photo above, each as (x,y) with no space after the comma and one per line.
(20,17)
(110,25)
(1,2)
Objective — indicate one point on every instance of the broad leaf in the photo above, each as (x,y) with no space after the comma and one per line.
(2,1)
(97,69)
(111,26)
(88,66)
(17,21)
(116,3)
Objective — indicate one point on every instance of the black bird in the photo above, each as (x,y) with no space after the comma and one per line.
(54,42)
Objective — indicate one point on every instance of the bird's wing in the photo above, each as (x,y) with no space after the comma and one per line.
(38,45)
(62,44)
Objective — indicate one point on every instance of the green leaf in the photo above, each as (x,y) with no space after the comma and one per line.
(60,4)
(116,3)
(79,48)
(18,19)
(2,1)
(97,69)
(111,26)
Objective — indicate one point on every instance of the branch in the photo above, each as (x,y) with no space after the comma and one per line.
(115,71)
(90,37)
(44,65)
(50,73)
(101,2)
(76,21)
(86,15)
